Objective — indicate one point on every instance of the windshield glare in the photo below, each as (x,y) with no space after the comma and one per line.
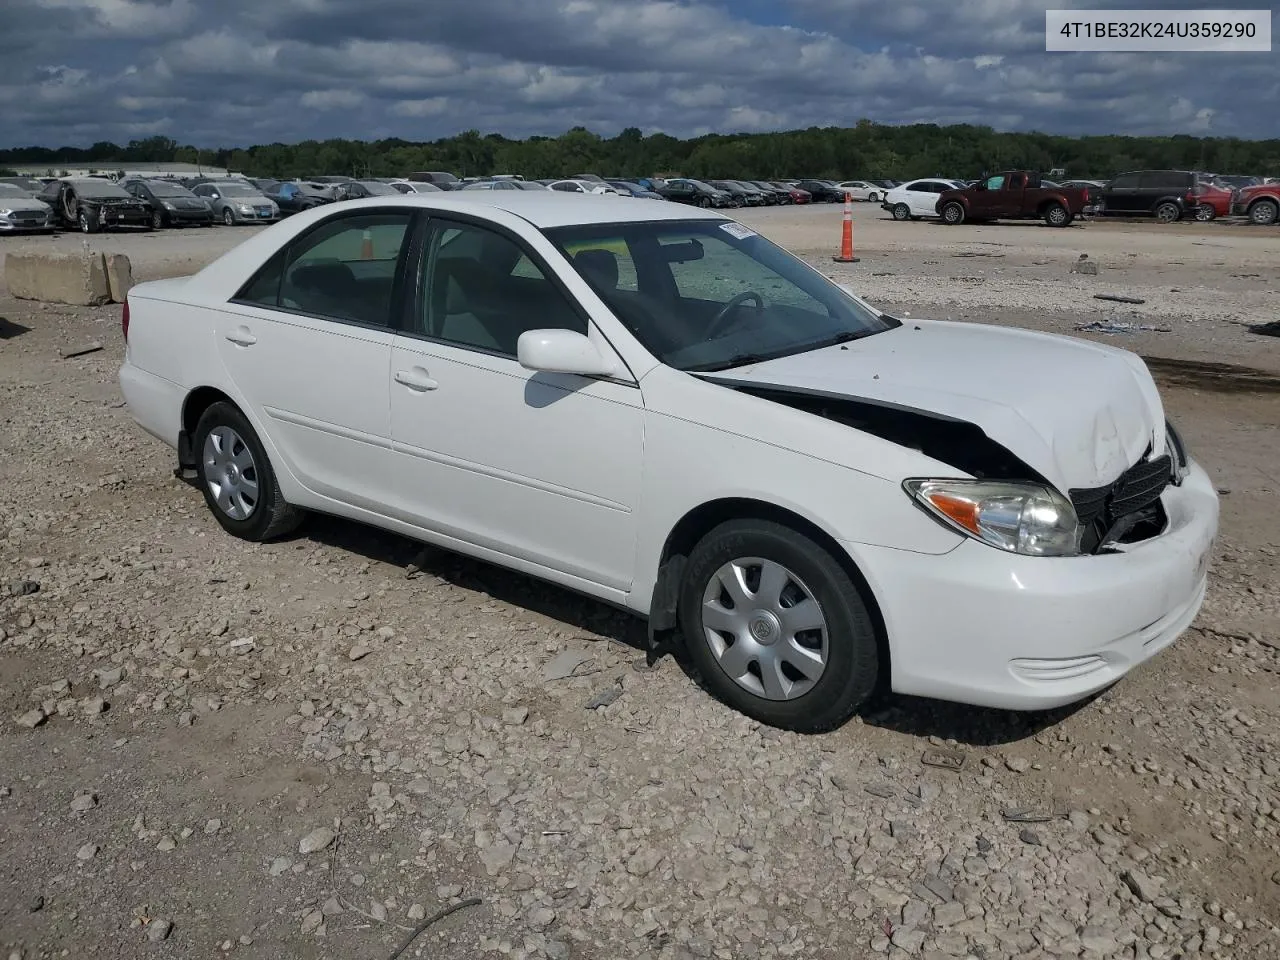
(237,190)
(711,294)
(99,188)
(378,189)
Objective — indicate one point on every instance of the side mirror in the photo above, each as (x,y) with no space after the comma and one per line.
(562,351)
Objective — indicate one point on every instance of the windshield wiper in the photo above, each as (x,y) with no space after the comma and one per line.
(737,360)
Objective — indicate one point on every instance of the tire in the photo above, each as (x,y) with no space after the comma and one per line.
(157,220)
(873,197)
(86,225)
(901,212)
(953,214)
(1168,212)
(823,697)
(1056,215)
(704,202)
(1264,213)
(1205,213)
(231,458)
(228,217)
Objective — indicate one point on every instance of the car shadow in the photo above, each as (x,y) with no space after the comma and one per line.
(537,596)
(9,329)
(917,717)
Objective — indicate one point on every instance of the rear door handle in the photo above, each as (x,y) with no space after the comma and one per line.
(416,379)
(241,335)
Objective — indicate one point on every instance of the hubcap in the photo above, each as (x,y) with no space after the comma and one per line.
(1167,213)
(1265,213)
(230,473)
(764,628)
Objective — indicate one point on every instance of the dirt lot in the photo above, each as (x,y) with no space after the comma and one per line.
(183,710)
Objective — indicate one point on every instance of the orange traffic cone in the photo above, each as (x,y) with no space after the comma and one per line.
(366,246)
(846,239)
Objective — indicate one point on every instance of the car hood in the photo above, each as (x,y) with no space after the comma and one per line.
(1078,413)
(24,203)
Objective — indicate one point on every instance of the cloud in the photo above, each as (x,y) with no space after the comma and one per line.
(241,71)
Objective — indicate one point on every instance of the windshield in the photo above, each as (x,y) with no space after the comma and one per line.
(99,188)
(378,189)
(712,294)
(237,190)
(169,190)
(9,192)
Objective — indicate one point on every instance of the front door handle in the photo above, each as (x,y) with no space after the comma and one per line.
(416,379)
(241,335)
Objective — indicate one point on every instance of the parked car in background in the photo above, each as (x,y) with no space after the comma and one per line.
(363,189)
(489,185)
(695,192)
(31,185)
(862,190)
(1012,195)
(330,179)
(413,186)
(171,203)
(628,189)
(773,196)
(1260,203)
(531,185)
(93,204)
(1213,199)
(440,178)
(20,211)
(1167,195)
(235,202)
(294,196)
(916,198)
(822,191)
(1238,181)
(796,194)
(576,185)
(885,184)
(670,413)
(265,184)
(1092,189)
(741,196)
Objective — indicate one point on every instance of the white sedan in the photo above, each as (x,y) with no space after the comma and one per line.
(582,186)
(861,190)
(917,198)
(656,406)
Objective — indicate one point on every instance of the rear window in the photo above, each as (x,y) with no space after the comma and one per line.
(1165,179)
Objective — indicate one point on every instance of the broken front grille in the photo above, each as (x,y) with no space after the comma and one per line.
(1130,504)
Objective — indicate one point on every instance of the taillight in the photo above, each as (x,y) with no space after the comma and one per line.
(124,319)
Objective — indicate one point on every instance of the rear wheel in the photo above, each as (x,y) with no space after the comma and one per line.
(953,214)
(1205,213)
(1057,215)
(1168,212)
(873,197)
(236,478)
(776,628)
(704,202)
(1264,213)
(901,212)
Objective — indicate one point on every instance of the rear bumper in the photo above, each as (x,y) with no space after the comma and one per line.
(154,402)
(988,628)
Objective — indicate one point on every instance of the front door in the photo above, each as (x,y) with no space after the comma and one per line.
(308,342)
(1124,194)
(541,467)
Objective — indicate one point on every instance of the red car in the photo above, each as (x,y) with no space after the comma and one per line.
(1212,200)
(1261,204)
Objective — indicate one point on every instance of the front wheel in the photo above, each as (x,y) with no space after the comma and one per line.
(953,214)
(1057,215)
(776,628)
(1264,213)
(1168,212)
(228,217)
(901,212)
(236,478)
(157,220)
(86,225)
(704,202)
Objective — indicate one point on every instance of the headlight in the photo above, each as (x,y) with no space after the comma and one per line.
(167,205)
(1024,518)
(5,211)
(245,208)
(1177,453)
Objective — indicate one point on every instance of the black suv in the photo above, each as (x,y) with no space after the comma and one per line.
(1167,195)
(170,202)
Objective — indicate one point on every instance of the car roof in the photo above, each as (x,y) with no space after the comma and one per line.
(547,209)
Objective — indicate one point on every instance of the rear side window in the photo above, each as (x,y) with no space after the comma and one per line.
(1165,180)
(1126,181)
(345,269)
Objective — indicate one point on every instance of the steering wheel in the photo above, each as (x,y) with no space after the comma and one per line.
(728,311)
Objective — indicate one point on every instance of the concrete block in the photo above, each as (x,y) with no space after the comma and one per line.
(119,275)
(79,278)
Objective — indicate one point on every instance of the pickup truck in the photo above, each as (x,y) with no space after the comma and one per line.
(1260,203)
(1013,195)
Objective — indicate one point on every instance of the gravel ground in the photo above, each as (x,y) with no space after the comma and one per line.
(301,749)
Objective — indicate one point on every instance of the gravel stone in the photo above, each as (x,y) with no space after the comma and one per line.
(317,840)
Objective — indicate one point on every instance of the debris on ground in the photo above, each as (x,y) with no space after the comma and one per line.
(1120,326)
(1118,298)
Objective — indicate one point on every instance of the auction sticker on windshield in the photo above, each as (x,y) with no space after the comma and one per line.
(737,230)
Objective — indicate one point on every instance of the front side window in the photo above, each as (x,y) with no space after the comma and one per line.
(481,291)
(345,270)
(1127,181)
(709,295)
(995,183)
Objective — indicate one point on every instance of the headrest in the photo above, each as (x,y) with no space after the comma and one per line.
(600,265)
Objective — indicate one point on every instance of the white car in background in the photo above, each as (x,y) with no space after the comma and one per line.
(582,186)
(861,190)
(656,406)
(917,198)
(414,186)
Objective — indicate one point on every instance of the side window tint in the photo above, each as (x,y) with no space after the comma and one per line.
(345,269)
(482,291)
(1126,182)
(995,183)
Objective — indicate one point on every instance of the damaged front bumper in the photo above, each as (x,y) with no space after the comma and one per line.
(980,626)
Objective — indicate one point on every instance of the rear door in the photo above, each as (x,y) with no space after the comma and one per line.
(1123,194)
(308,343)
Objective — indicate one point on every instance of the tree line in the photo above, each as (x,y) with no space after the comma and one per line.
(865,150)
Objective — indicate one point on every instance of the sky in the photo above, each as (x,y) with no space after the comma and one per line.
(239,72)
